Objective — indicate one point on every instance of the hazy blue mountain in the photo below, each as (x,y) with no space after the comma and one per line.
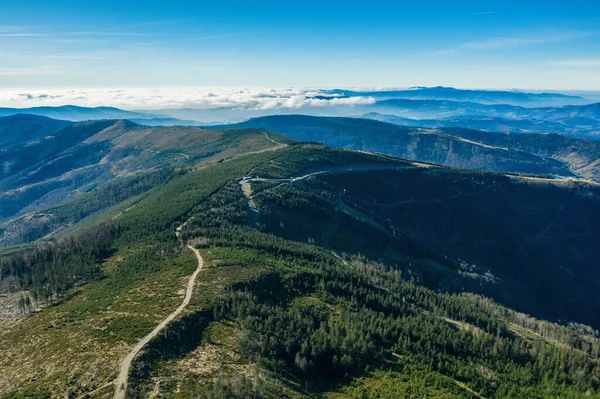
(480,96)
(444,108)
(75,113)
(577,120)
(583,128)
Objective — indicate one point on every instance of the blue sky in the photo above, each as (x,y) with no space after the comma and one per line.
(291,43)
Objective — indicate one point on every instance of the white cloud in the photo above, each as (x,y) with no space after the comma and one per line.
(200,98)
(22,34)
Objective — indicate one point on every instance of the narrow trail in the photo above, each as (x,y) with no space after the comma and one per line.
(253,215)
(277,143)
(121,381)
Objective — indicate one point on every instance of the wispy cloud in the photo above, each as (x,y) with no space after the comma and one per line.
(13,28)
(116,33)
(45,70)
(577,63)
(22,34)
(500,43)
(190,39)
(449,51)
(126,28)
(72,56)
(484,13)
(368,61)
(77,40)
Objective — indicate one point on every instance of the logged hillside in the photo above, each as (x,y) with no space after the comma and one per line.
(77,158)
(530,154)
(328,273)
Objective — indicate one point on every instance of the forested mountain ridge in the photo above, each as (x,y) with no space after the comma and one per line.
(276,312)
(542,154)
(78,157)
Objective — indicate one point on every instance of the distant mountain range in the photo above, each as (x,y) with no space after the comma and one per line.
(588,129)
(577,120)
(74,113)
(443,108)
(479,96)
(496,111)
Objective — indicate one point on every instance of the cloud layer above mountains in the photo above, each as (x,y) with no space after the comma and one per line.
(162,98)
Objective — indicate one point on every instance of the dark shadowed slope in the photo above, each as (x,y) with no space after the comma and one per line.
(22,129)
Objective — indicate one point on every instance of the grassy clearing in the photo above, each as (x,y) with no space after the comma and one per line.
(76,346)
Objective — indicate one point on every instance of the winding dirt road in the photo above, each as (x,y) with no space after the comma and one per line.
(121,381)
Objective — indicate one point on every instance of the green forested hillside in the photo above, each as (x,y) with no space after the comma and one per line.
(530,244)
(357,280)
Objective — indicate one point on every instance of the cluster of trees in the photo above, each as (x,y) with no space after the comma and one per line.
(51,269)
(349,320)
